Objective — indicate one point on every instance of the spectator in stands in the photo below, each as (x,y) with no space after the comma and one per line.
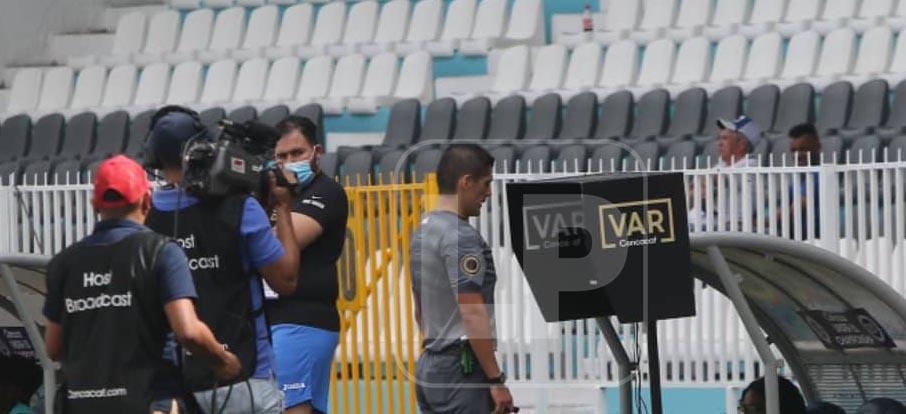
(305,323)
(806,150)
(805,145)
(824,408)
(882,406)
(736,141)
(19,379)
(753,398)
(113,297)
(229,242)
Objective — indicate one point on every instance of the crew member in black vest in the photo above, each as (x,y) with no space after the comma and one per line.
(113,297)
(229,242)
(305,323)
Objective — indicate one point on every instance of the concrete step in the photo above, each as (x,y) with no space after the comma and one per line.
(112,14)
(62,46)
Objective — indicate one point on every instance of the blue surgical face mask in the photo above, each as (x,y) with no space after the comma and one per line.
(303,171)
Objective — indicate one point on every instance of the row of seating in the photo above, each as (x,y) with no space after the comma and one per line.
(647,21)
(664,65)
(351,82)
(367,28)
(220,4)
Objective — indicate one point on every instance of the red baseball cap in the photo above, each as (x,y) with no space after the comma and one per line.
(123,175)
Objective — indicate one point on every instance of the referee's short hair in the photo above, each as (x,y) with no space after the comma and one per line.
(459,160)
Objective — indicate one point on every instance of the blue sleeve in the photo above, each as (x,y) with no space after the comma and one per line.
(53,301)
(259,243)
(172,271)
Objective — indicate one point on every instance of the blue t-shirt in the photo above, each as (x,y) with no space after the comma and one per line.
(260,247)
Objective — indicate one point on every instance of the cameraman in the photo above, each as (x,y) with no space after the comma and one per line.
(305,322)
(228,241)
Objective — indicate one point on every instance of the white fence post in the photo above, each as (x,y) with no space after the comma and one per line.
(829,207)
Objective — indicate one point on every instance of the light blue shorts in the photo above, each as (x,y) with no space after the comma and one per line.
(303,356)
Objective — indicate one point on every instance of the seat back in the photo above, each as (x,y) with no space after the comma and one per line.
(508,119)
(460,20)
(546,118)
(584,66)
(833,112)
(111,134)
(526,20)
(196,31)
(89,87)
(730,12)
(381,76)
(802,10)
(870,105)
(404,124)
(154,80)
(875,51)
(657,63)
(229,28)
(393,21)
(46,137)
(296,25)
(652,114)
(14,137)
(439,120)
(512,70)
(658,14)
(765,57)
(473,120)
(571,158)
(162,32)
(251,80)
(797,105)
(766,11)
(761,105)
(616,116)
(262,27)
(347,79)
(623,15)
(281,79)
(689,112)
(875,8)
(534,159)
(80,134)
(56,89)
(837,53)
(426,21)
(549,68)
(130,34)
(26,89)
(490,19)
(726,103)
(801,55)
(694,13)
(580,117)
(330,24)
(362,21)
(692,61)
(620,65)
(418,71)
(316,78)
(840,9)
(219,82)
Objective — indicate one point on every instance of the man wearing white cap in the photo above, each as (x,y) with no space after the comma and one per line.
(736,141)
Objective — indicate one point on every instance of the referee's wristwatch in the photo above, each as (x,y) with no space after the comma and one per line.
(500,380)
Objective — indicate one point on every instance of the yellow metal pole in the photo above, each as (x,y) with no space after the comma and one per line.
(371,311)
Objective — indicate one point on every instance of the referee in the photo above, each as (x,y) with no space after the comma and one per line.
(453,282)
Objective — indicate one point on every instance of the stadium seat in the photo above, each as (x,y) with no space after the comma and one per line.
(393,168)
(67,172)
(693,62)
(606,157)
(504,159)
(765,15)
(679,156)
(243,114)
(657,18)
(547,72)
(262,29)
(403,126)
(328,30)
(55,90)
(251,81)
(111,134)
(864,150)
(726,103)
(652,114)
(896,72)
(10,172)
(473,120)
(218,83)
(871,14)
(138,131)
(616,116)
(194,37)
(46,136)
(580,117)
(14,137)
(314,81)
(315,113)
(729,15)
(545,121)
(152,87)
(799,16)
(128,39)
(512,74)
(582,72)
(526,23)
(211,117)
(37,172)
(764,61)
(418,71)
(898,20)
(295,31)
(709,156)
(346,83)
(282,78)
(836,15)
(161,39)
(219,4)
(250,3)
(642,157)
(896,149)
(872,61)
(80,134)
(488,30)
(728,64)
(761,106)
(796,106)
(801,56)
(621,19)
(229,27)
(619,68)
(184,4)
(534,159)
(359,30)
(836,59)
(458,25)
(688,115)
(120,88)
(391,28)
(780,154)
(25,90)
(424,26)
(833,112)
(89,86)
(379,84)
(656,67)
(328,164)
(273,115)
(507,120)
(356,169)
(693,16)
(896,122)
(869,111)
(425,163)
(571,158)
(440,117)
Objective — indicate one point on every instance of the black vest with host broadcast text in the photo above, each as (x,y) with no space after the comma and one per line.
(114,326)
(209,234)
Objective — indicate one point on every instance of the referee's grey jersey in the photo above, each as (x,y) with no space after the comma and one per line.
(449,256)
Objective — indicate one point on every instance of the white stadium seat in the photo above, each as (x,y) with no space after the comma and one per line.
(391,28)
(547,72)
(871,14)
(418,71)
(359,28)
(836,15)
(693,16)
(89,86)
(458,26)
(621,64)
(874,55)
(219,4)
(526,24)
(380,82)
(659,16)
(195,35)
(56,89)
(693,61)
(295,31)
(836,59)
(489,27)
(315,80)
(801,55)
(765,60)
(346,83)
(250,3)
(424,26)
(765,15)
(583,70)
(120,87)
(26,89)
(656,67)
(128,39)
(185,4)
(896,72)
(154,83)
(729,62)
(622,18)
(162,32)
(898,20)
(218,83)
(328,30)
(799,16)
(511,75)
(228,31)
(250,81)
(282,2)
(260,35)
(281,82)
(185,84)
(729,16)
